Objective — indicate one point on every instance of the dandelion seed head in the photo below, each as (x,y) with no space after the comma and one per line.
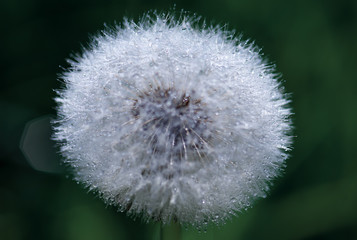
(173,122)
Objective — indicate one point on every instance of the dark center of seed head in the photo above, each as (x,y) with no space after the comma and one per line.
(172,123)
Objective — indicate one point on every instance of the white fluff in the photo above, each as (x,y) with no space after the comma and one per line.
(173,122)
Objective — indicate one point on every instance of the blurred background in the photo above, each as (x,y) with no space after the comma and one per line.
(314,45)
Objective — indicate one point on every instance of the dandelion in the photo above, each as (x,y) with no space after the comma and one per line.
(172,122)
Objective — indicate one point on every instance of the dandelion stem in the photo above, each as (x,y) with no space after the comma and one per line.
(172,231)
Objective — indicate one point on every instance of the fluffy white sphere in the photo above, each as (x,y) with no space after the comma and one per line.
(173,122)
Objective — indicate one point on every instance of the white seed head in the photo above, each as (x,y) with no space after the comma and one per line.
(172,122)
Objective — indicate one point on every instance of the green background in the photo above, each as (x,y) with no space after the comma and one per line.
(314,45)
